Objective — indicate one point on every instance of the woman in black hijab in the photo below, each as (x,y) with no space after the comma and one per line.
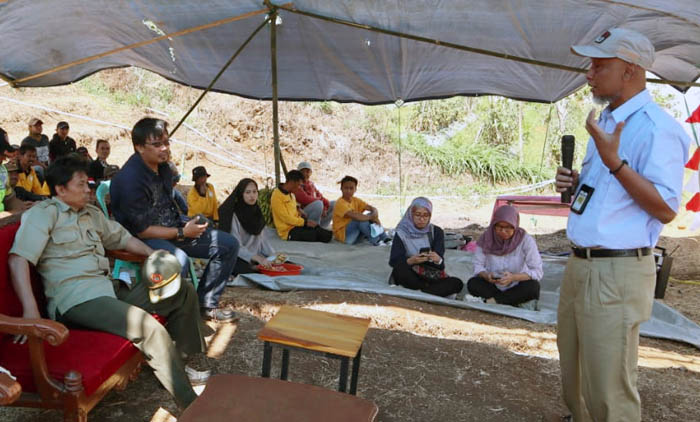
(240,215)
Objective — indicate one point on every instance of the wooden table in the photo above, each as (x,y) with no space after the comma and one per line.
(336,336)
(250,399)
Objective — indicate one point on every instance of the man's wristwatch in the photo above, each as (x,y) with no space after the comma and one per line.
(180,234)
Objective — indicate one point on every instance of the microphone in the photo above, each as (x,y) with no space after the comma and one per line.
(567,159)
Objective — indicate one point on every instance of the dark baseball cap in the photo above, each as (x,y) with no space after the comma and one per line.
(62,125)
(198,172)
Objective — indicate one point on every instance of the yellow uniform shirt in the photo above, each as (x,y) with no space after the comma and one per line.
(284,213)
(339,220)
(205,205)
(30,183)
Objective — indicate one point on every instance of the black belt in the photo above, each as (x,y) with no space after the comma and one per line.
(610,253)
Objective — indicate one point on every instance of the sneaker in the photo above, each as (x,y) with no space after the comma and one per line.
(197,377)
(385,243)
(231,282)
(219,315)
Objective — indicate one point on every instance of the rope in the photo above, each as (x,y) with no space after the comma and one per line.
(512,191)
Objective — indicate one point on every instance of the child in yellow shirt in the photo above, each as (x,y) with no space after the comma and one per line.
(350,223)
(201,199)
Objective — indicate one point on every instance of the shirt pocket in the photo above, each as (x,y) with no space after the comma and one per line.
(64,237)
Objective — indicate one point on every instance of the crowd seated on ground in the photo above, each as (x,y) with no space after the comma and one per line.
(201,199)
(290,221)
(317,208)
(354,219)
(241,215)
(417,253)
(507,264)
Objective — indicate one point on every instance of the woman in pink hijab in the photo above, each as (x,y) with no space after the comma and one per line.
(507,264)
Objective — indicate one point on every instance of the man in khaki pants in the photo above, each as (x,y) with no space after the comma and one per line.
(629,187)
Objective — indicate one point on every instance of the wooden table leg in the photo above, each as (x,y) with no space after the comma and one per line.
(343,382)
(355,372)
(267,358)
(285,364)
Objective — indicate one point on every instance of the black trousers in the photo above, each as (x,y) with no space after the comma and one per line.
(404,275)
(310,234)
(243,267)
(523,292)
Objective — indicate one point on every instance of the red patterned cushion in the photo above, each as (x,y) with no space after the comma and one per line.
(96,355)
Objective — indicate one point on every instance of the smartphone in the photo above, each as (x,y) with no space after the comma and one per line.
(497,276)
(201,219)
(424,251)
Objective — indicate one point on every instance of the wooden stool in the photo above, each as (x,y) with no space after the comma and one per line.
(246,399)
(337,336)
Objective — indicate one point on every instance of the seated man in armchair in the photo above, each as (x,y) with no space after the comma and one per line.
(65,238)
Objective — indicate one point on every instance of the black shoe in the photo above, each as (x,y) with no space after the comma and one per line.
(219,314)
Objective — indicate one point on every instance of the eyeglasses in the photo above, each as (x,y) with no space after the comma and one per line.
(158,144)
(422,216)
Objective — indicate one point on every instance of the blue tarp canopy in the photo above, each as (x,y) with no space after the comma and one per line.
(324,60)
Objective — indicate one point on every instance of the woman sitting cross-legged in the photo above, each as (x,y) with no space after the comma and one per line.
(242,212)
(350,223)
(507,264)
(417,253)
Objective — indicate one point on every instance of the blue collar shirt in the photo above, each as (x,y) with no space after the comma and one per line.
(656,147)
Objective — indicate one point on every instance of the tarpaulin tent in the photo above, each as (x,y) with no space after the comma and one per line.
(363,51)
(319,59)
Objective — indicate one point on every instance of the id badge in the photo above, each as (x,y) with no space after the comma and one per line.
(578,205)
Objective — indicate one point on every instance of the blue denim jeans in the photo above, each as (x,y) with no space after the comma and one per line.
(356,230)
(220,248)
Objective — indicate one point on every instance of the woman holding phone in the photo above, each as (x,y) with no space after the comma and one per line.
(507,264)
(417,253)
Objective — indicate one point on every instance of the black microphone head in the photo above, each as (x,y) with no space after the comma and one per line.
(567,151)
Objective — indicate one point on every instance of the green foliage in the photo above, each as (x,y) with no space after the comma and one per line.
(264,196)
(500,121)
(482,161)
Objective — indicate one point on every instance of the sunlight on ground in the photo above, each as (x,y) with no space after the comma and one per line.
(517,340)
(217,342)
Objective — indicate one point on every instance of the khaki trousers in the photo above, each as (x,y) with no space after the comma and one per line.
(602,302)
(129,317)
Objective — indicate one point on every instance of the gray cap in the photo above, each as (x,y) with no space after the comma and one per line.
(625,44)
(161,272)
(304,165)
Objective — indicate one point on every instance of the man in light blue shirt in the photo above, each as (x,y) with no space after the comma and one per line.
(630,186)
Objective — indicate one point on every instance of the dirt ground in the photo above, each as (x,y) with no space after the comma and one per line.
(421,362)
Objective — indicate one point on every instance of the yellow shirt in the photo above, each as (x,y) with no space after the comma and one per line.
(339,220)
(30,183)
(205,205)
(284,213)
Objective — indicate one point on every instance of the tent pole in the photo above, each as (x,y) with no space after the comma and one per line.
(275,115)
(218,75)
(138,44)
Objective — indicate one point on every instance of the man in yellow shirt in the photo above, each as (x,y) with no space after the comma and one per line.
(201,199)
(28,180)
(350,223)
(290,221)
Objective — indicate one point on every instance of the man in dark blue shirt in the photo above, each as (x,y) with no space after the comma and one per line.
(142,201)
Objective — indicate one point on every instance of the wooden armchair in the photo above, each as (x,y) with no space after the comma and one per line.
(69,370)
(9,389)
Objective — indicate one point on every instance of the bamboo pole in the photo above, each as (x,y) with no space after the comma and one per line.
(139,44)
(275,110)
(291,8)
(218,75)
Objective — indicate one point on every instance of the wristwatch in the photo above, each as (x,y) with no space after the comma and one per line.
(180,234)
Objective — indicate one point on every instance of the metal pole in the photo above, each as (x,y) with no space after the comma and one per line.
(218,75)
(275,115)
